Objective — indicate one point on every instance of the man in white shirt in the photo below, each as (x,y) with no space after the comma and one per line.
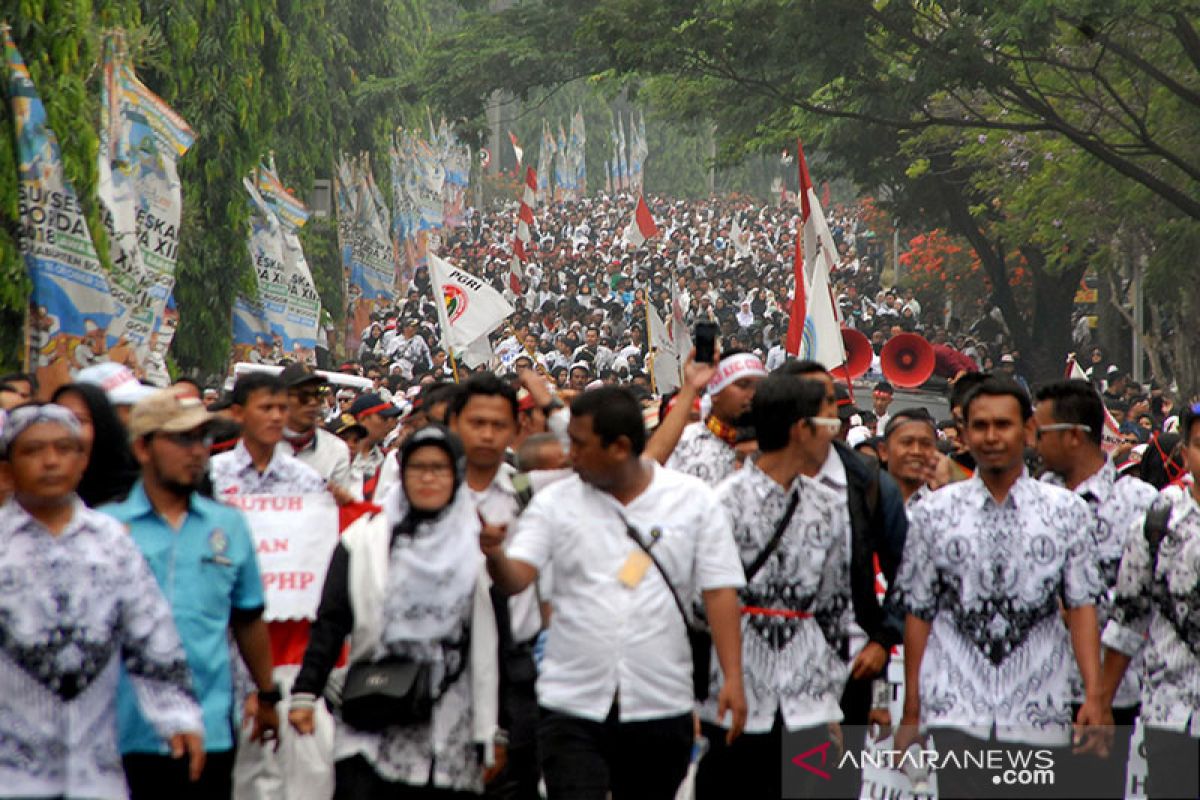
(615,688)
(986,564)
(793,538)
(304,438)
(79,604)
(1070,419)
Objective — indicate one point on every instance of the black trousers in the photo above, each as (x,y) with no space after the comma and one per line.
(355,779)
(153,777)
(585,760)
(752,767)
(1172,764)
(518,715)
(1102,777)
(971,782)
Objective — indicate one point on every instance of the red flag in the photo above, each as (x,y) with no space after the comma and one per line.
(642,226)
(800,302)
(524,233)
(517,151)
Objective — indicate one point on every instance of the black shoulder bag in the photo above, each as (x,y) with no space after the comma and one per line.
(776,537)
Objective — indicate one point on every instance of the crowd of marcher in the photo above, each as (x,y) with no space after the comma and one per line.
(543,578)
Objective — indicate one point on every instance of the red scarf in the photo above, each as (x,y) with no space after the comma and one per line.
(726,433)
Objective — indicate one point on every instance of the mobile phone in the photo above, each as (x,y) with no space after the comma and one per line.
(705,338)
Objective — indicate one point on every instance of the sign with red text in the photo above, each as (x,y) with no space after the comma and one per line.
(294,537)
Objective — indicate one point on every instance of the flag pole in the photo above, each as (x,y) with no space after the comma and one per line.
(453,362)
(650,346)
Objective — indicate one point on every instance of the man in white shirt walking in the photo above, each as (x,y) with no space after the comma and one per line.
(616,690)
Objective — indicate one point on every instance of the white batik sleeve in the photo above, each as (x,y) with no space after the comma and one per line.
(1132,604)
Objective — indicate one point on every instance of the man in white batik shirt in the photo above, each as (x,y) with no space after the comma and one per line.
(1156,614)
(77,603)
(986,563)
(705,449)
(791,533)
(1070,419)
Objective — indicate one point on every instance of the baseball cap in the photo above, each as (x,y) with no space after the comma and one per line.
(371,403)
(118,383)
(298,374)
(165,411)
(344,423)
(1007,359)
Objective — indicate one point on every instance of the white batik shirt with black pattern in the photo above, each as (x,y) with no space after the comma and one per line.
(1159,615)
(234,473)
(989,578)
(702,454)
(793,665)
(1116,505)
(74,609)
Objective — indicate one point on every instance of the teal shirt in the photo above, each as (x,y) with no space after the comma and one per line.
(206,569)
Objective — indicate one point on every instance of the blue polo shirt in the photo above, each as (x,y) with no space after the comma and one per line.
(206,569)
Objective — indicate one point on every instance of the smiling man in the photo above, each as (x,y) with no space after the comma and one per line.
(987,660)
(910,442)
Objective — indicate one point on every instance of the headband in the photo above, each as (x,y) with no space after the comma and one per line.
(733,369)
(22,418)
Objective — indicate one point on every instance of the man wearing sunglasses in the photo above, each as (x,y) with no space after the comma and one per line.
(202,556)
(1070,418)
(304,438)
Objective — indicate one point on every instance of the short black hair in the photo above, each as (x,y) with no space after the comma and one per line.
(884,386)
(21,377)
(963,386)
(252,382)
(1075,402)
(780,401)
(999,387)
(904,415)
(1187,419)
(615,412)
(484,384)
(800,367)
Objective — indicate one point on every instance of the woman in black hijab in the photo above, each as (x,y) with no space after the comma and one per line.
(111,469)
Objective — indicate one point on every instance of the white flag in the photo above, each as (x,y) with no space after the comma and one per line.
(740,239)
(469,308)
(822,337)
(1110,437)
(666,357)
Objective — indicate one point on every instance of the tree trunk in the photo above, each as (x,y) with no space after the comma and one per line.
(1053,299)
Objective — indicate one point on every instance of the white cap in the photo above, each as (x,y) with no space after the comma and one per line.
(118,383)
(857,435)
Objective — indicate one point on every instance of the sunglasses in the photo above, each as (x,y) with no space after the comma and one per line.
(1062,426)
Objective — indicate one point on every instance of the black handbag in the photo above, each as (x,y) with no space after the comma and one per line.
(380,694)
(698,636)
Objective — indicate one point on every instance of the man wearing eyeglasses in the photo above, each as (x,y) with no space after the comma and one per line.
(1070,418)
(202,556)
(304,438)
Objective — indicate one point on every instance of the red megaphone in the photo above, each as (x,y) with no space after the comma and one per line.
(907,360)
(859,352)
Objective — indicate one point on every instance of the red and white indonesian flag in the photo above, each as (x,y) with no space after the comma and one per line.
(524,235)
(469,308)
(517,150)
(642,226)
(814,329)
(1110,437)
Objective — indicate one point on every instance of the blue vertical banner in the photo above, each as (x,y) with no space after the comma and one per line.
(71,307)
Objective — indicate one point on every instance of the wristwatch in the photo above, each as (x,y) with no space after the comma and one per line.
(270,696)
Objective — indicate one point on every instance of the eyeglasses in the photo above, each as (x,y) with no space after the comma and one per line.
(189,438)
(429,470)
(829,423)
(1063,426)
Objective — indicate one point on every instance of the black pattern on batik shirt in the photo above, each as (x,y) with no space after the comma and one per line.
(74,608)
(1158,615)
(989,577)
(793,665)
(1115,504)
(234,473)
(701,454)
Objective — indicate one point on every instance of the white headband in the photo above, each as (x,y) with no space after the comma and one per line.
(733,369)
(22,418)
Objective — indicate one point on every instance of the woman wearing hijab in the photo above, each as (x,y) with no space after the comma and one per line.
(111,468)
(745,315)
(408,585)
